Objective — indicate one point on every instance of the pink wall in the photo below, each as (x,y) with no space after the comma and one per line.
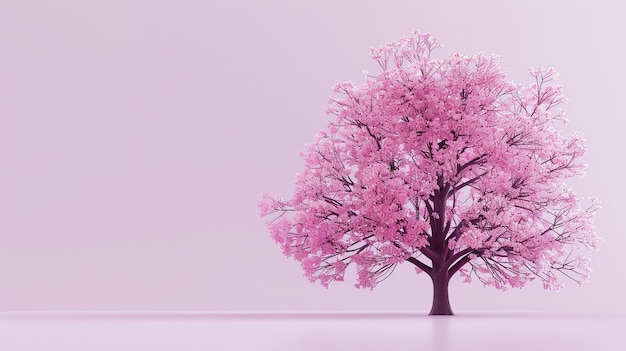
(136,138)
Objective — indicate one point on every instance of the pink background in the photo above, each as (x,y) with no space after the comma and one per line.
(136,138)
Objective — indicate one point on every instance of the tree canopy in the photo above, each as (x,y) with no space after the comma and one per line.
(444,164)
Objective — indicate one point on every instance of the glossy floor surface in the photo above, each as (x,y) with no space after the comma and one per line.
(363,331)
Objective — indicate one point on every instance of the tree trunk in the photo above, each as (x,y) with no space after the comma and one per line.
(441,300)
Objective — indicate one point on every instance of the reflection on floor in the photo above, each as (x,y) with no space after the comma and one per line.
(307,331)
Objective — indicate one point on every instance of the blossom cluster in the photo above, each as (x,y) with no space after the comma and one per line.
(443,161)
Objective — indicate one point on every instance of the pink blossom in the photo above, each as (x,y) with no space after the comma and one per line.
(443,164)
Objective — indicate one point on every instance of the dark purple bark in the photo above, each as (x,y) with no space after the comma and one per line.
(441,299)
(439,248)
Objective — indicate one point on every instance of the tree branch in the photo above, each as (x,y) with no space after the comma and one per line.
(471,162)
(420,265)
(428,252)
(455,268)
(466,183)
(457,231)
(458,255)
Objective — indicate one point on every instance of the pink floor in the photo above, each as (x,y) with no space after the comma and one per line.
(157,331)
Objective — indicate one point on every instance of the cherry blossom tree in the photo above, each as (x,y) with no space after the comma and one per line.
(443,164)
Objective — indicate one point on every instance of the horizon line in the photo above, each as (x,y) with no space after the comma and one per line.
(287,314)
